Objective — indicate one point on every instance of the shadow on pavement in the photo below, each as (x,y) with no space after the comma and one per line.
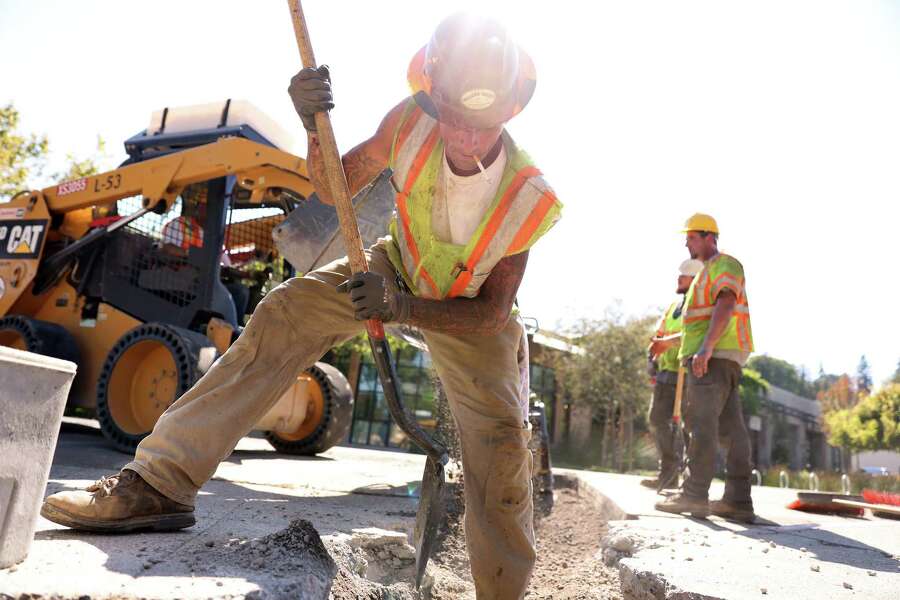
(826,546)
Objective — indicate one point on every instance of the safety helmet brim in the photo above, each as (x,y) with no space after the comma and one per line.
(458,113)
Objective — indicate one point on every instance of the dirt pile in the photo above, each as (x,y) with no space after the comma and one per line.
(291,563)
(376,564)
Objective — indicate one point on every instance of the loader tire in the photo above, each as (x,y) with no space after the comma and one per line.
(40,337)
(328,415)
(146,370)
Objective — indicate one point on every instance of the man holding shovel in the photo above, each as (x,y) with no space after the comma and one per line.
(716,342)
(664,354)
(470,205)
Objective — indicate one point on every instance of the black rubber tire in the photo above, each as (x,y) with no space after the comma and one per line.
(336,418)
(190,362)
(43,337)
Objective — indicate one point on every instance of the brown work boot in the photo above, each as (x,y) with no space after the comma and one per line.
(733,512)
(650,483)
(119,503)
(679,503)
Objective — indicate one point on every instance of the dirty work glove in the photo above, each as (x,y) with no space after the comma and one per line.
(310,91)
(372,299)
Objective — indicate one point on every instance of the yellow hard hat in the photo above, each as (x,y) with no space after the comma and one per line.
(700,222)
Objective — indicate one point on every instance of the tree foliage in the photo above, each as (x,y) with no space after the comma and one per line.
(863,376)
(610,377)
(839,395)
(21,155)
(782,374)
(753,389)
(872,424)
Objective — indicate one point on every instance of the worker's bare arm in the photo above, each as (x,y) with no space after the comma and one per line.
(486,314)
(361,164)
(658,345)
(722,311)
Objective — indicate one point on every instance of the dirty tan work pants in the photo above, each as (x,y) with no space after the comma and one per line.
(294,326)
(713,415)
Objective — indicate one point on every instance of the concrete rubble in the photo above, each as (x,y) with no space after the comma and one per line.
(339,526)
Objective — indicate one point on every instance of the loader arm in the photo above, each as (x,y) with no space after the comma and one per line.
(28,220)
(258,167)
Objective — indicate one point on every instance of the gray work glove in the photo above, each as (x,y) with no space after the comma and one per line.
(372,299)
(310,91)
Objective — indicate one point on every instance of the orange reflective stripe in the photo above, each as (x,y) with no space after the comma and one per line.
(532,223)
(415,169)
(743,328)
(491,229)
(406,129)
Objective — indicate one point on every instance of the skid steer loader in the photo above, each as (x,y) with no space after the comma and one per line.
(143,275)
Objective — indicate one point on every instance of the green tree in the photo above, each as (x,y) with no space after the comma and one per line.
(873,424)
(863,376)
(753,389)
(610,377)
(782,374)
(21,156)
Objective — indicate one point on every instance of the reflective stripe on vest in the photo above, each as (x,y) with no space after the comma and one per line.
(183,232)
(515,218)
(702,306)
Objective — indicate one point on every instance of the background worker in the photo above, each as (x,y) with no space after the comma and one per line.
(716,343)
(665,367)
(452,266)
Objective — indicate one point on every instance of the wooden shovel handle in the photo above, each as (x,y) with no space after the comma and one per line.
(679,393)
(334,168)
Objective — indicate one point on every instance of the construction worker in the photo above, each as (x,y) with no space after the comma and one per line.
(716,342)
(665,377)
(452,265)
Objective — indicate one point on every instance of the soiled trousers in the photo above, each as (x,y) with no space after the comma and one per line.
(713,416)
(294,326)
(660,418)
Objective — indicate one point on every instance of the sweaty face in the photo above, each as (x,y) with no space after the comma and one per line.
(462,144)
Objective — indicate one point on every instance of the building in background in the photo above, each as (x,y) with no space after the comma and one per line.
(372,424)
(788,431)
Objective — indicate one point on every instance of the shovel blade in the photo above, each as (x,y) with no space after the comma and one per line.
(429,515)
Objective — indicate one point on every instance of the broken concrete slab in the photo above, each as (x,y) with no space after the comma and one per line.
(790,554)
(33,391)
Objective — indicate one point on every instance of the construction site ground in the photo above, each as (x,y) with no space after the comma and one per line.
(273,526)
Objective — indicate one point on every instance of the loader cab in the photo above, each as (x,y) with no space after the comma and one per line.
(211,254)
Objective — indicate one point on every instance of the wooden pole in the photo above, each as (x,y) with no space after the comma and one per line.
(334,168)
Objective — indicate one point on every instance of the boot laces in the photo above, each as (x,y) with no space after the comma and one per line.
(105,485)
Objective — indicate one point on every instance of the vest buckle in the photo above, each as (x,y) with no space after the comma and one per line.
(458,269)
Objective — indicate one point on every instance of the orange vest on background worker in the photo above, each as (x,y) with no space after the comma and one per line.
(183,232)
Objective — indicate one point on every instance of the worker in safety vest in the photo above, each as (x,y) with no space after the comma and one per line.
(665,377)
(451,266)
(716,343)
(186,230)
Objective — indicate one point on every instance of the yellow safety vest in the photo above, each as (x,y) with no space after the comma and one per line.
(669,325)
(523,210)
(721,273)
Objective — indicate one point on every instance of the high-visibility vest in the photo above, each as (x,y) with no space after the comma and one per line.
(721,273)
(524,208)
(670,324)
(183,232)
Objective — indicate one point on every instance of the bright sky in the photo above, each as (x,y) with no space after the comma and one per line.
(778,117)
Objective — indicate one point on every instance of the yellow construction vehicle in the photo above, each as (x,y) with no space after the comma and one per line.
(143,275)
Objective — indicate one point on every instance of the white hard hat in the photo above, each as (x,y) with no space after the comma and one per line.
(690,267)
